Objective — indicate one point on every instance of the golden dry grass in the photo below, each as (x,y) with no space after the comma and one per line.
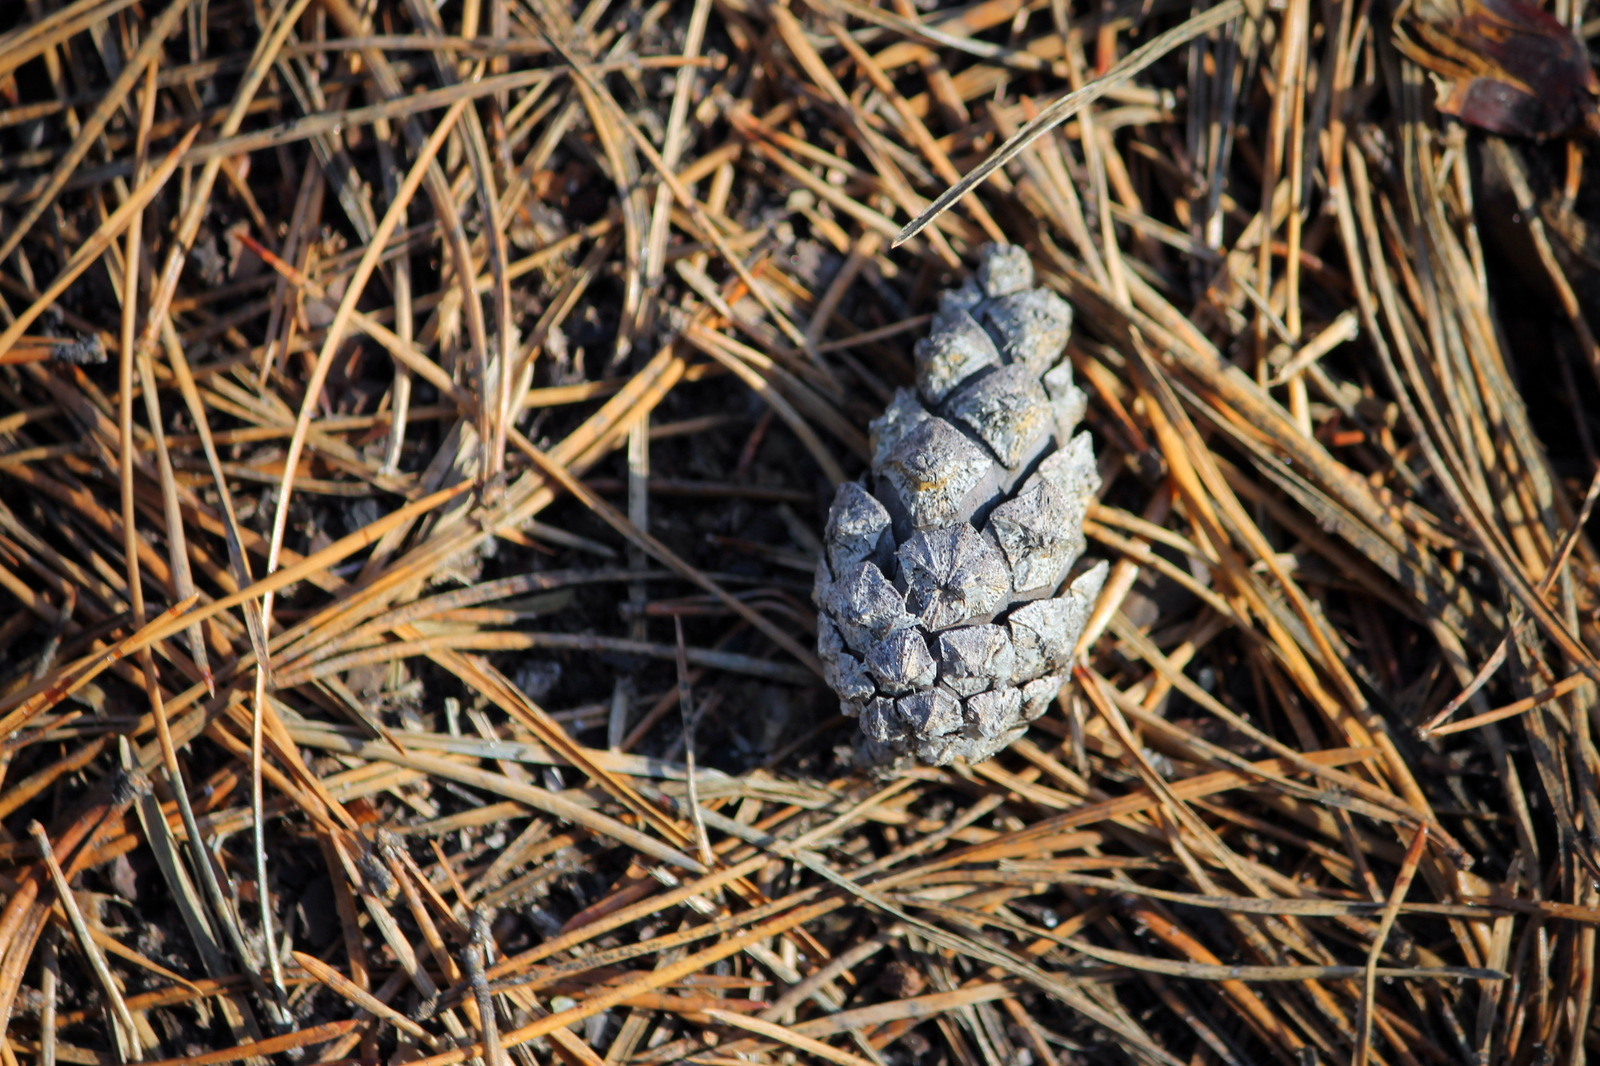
(463,342)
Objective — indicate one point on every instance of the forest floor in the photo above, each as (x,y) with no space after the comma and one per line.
(417,424)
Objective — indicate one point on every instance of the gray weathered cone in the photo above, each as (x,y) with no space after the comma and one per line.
(939,619)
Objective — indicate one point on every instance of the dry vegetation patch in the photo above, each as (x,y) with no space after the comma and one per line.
(416,426)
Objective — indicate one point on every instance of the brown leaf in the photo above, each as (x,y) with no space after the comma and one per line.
(1507,66)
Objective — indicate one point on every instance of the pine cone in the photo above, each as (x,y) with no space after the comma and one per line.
(939,622)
